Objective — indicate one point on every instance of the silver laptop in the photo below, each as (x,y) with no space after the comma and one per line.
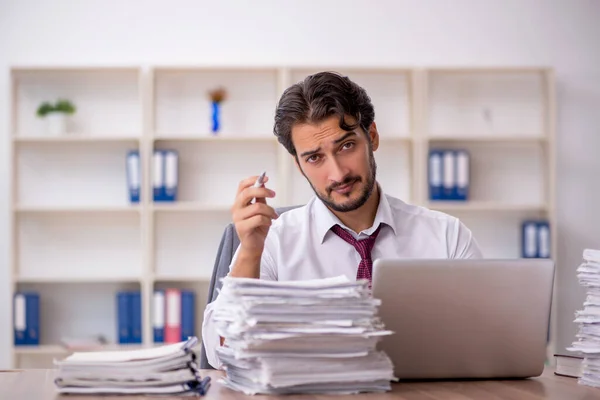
(465,318)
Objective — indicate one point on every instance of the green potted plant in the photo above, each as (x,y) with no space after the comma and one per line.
(56,115)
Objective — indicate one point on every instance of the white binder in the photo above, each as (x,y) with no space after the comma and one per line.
(171,175)
(158,180)
(133,175)
(449,175)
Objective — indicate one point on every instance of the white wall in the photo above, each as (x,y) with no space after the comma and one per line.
(562,34)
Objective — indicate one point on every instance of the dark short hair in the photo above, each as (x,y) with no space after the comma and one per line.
(317,98)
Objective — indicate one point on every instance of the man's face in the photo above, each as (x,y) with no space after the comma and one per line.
(339,165)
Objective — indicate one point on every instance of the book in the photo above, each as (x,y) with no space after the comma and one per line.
(569,365)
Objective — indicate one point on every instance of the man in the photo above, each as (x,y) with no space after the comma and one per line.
(327,124)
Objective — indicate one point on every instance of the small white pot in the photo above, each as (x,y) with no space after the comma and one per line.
(57,123)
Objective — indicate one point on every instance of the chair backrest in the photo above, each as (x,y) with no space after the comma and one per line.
(229,244)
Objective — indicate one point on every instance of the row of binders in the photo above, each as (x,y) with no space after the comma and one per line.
(535,239)
(26,318)
(449,174)
(173,315)
(165,175)
(129,317)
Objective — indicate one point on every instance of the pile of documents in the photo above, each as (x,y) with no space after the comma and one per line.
(316,336)
(165,370)
(588,342)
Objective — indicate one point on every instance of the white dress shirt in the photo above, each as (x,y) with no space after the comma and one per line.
(300,245)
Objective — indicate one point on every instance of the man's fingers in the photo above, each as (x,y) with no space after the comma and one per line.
(250,193)
(250,182)
(254,222)
(255,209)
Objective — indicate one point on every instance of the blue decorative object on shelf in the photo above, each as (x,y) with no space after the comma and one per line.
(216,116)
(217,96)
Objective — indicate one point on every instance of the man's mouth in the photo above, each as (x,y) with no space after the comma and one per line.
(346,188)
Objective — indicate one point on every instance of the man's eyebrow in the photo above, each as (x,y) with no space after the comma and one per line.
(346,136)
(311,152)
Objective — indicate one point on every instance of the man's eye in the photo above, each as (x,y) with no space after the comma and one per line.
(312,159)
(348,145)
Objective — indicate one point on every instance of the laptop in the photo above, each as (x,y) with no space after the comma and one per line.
(465,319)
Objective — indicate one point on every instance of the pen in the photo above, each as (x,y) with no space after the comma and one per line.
(259,181)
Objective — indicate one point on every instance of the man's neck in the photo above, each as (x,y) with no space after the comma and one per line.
(363,217)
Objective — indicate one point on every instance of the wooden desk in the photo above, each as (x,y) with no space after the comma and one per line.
(39,385)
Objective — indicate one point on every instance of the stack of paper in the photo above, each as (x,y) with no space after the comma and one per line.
(316,336)
(588,342)
(168,369)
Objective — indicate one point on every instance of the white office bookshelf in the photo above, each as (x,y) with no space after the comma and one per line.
(76,237)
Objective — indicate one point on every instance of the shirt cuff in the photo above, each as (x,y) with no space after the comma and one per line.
(210,338)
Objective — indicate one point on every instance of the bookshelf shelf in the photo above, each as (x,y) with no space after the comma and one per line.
(160,279)
(57,279)
(77,235)
(41,350)
(489,206)
(76,209)
(76,139)
(216,139)
(57,349)
(491,139)
(190,207)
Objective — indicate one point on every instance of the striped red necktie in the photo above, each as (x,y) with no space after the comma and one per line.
(364,247)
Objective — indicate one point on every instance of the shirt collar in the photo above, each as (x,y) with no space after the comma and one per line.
(325,219)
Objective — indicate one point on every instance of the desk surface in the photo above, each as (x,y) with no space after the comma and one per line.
(39,385)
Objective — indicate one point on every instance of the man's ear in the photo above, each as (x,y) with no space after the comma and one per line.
(374,135)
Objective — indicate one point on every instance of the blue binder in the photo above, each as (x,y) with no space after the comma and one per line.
(529,239)
(135,304)
(463,176)
(543,239)
(20,319)
(158,316)
(123,318)
(435,175)
(158,175)
(171,175)
(188,314)
(133,175)
(536,239)
(33,319)
(26,318)
(448,175)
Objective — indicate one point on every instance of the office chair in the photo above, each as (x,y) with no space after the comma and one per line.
(227,247)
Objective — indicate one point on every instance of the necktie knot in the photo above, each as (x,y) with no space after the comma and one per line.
(363,247)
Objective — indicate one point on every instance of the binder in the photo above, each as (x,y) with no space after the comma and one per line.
(158,316)
(188,314)
(158,179)
(173,316)
(529,239)
(20,319)
(123,318)
(26,319)
(171,175)
(543,231)
(133,175)
(33,319)
(435,175)
(449,175)
(135,304)
(462,175)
